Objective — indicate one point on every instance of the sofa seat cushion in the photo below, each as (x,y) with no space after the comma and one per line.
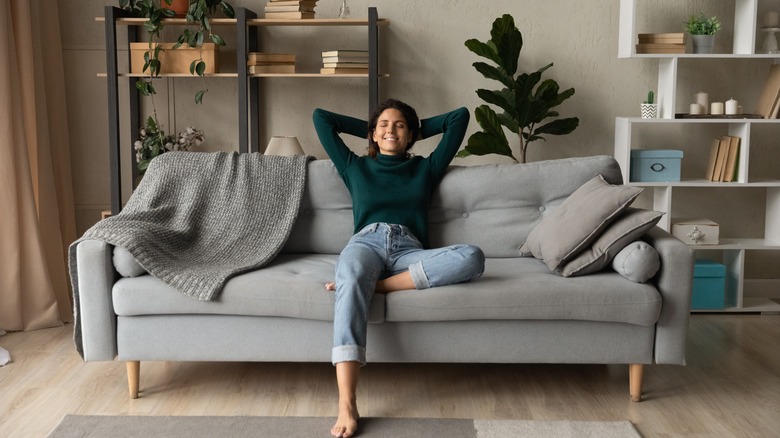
(292,285)
(524,288)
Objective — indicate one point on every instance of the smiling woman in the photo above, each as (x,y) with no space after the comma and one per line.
(390,192)
(394,128)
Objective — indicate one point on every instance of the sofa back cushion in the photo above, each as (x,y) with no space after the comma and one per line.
(491,206)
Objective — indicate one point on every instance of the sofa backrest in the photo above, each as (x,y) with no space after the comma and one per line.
(491,206)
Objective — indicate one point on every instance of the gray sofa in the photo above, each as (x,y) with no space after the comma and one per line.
(519,311)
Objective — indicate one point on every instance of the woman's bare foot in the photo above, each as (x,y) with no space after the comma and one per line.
(346,424)
(347,378)
(402,281)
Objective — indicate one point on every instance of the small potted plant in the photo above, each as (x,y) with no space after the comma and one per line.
(649,107)
(702,31)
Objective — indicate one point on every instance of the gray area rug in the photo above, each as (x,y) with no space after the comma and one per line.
(101,426)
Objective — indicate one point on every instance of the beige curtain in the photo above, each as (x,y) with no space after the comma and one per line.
(36,195)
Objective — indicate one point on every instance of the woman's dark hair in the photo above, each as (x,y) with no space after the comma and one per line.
(408,113)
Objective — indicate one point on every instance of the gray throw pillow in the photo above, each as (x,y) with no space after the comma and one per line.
(637,262)
(629,226)
(125,263)
(577,221)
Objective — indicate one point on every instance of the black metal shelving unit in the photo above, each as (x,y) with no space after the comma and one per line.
(248,105)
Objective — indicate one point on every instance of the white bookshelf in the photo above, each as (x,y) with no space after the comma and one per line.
(733,247)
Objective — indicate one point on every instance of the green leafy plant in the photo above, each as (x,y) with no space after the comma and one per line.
(701,25)
(650,97)
(153,141)
(199,13)
(527,104)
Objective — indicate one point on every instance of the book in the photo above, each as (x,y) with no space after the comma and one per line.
(345,64)
(340,71)
(256,58)
(770,94)
(344,55)
(712,159)
(720,160)
(276,68)
(670,38)
(730,168)
(289,15)
(290,8)
(343,60)
(653,48)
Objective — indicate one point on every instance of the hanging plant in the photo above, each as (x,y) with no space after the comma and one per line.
(199,13)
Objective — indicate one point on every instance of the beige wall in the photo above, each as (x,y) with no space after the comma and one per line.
(430,68)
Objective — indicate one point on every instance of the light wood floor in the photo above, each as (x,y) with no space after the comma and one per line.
(730,387)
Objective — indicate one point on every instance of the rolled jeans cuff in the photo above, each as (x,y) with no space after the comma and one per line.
(418,276)
(348,353)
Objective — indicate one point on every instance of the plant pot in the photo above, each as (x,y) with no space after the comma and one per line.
(179,7)
(703,43)
(649,110)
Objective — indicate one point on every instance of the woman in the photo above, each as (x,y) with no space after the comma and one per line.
(390,194)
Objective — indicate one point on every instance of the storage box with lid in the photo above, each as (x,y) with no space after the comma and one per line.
(696,231)
(655,165)
(709,285)
(175,60)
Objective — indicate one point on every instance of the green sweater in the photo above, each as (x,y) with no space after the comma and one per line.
(392,189)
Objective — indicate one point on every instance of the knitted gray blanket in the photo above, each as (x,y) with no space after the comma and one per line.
(198,219)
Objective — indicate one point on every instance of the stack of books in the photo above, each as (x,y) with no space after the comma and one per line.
(344,62)
(290,9)
(724,159)
(661,43)
(260,62)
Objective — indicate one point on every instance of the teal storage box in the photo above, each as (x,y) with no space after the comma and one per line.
(709,285)
(655,165)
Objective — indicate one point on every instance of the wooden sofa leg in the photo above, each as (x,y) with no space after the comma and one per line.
(133,373)
(635,372)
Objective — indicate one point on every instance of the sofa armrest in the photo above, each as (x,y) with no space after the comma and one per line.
(96,278)
(674,281)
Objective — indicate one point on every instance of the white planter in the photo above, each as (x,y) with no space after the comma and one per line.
(649,110)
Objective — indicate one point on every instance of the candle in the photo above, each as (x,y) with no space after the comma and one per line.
(716,108)
(732,106)
(695,109)
(771,19)
(703,99)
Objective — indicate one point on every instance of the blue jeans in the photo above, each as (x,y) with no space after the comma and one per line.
(379,251)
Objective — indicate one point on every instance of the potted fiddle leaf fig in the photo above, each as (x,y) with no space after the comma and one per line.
(527,104)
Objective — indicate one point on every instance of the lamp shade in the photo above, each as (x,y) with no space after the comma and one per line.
(284,146)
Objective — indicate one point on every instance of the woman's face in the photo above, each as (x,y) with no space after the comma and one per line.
(391,133)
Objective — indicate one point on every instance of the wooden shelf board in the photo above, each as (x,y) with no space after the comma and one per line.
(172,21)
(314,22)
(235,75)
(258,21)
(311,75)
(172,75)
